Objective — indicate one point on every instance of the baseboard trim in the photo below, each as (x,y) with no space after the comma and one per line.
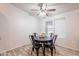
(67,48)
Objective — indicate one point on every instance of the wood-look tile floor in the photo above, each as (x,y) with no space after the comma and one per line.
(26,51)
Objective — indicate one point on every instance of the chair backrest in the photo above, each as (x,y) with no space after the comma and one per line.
(51,34)
(36,37)
(50,37)
(54,39)
(32,39)
(49,42)
(35,34)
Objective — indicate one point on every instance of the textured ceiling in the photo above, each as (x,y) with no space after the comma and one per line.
(60,7)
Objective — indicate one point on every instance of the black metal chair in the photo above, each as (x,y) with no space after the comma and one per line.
(51,44)
(48,44)
(35,44)
(54,40)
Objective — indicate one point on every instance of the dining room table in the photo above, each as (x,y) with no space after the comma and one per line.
(43,41)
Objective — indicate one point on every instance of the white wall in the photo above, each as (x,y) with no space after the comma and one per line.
(72,29)
(42,25)
(15,26)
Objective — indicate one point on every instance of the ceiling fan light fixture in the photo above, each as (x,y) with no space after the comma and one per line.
(42,14)
(43,11)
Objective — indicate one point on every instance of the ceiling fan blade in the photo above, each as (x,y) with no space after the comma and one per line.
(51,10)
(34,10)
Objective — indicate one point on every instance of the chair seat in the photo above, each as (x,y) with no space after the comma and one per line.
(49,45)
(37,45)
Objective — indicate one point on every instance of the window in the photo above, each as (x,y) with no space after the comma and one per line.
(50,27)
(57,26)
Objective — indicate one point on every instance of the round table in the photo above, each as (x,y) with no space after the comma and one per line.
(43,42)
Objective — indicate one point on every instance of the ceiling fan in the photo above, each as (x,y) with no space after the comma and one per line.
(43,9)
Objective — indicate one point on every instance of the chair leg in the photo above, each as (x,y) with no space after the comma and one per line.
(51,51)
(43,51)
(37,52)
(55,49)
(32,50)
